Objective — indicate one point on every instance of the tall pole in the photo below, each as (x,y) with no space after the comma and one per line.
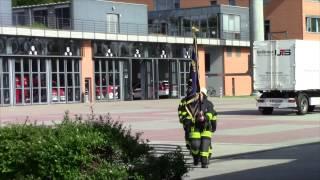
(256,29)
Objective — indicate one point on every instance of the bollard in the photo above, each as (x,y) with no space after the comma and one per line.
(220,92)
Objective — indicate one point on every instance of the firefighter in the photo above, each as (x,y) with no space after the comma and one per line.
(204,124)
(185,118)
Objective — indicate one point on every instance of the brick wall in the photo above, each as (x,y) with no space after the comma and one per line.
(285,15)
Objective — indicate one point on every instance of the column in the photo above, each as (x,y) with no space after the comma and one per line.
(87,69)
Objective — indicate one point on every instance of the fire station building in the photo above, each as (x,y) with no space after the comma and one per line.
(93,50)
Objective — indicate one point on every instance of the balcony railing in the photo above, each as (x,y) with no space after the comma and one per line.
(47,22)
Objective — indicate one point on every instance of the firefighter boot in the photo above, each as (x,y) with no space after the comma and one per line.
(204,162)
(196,160)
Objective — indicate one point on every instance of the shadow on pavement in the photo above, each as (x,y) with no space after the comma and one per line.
(277,112)
(304,164)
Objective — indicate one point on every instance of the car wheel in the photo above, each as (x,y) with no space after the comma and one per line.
(302,104)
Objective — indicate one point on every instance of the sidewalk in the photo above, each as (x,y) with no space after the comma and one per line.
(241,128)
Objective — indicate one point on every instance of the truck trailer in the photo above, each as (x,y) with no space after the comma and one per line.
(287,75)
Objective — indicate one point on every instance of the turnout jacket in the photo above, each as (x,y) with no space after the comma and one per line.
(189,109)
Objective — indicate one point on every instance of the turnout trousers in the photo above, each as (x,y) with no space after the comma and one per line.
(200,143)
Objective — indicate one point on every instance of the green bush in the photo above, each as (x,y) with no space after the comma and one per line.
(98,148)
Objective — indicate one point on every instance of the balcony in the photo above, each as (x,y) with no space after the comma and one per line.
(103,30)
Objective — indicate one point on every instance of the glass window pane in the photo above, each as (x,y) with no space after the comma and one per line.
(313,25)
(54,80)
(70,80)
(110,78)
(231,23)
(34,66)
(103,66)
(26,80)
(27,96)
(17,66)
(77,94)
(182,91)
(35,95)
(18,96)
(43,95)
(69,66)
(26,65)
(54,66)
(35,80)
(76,66)
(182,79)
(62,81)
(97,79)
(104,79)
(187,66)
(6,96)
(181,67)
(54,95)
(43,80)
(225,22)
(61,66)
(5,66)
(70,94)
(18,81)
(105,93)
(237,24)
(5,81)
(117,66)
(96,66)
(110,66)
(43,66)
(117,79)
(62,94)
(77,79)
(98,93)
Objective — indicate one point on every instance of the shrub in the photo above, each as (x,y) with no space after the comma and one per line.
(98,148)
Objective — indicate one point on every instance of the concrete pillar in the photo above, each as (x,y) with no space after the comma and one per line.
(5,12)
(256,29)
(256,20)
(87,69)
(201,60)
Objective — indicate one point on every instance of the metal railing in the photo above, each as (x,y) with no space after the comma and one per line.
(80,25)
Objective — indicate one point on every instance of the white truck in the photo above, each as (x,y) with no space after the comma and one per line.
(287,74)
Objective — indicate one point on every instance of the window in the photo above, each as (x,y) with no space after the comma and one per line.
(232,2)
(207,62)
(313,24)
(177,5)
(112,23)
(212,3)
(231,23)
(266,29)
(229,51)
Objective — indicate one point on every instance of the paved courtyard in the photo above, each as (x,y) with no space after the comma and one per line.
(241,128)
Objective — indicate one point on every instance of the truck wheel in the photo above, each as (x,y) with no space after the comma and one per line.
(266,110)
(311,108)
(302,104)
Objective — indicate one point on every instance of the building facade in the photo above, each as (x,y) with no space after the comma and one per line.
(292,19)
(46,58)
